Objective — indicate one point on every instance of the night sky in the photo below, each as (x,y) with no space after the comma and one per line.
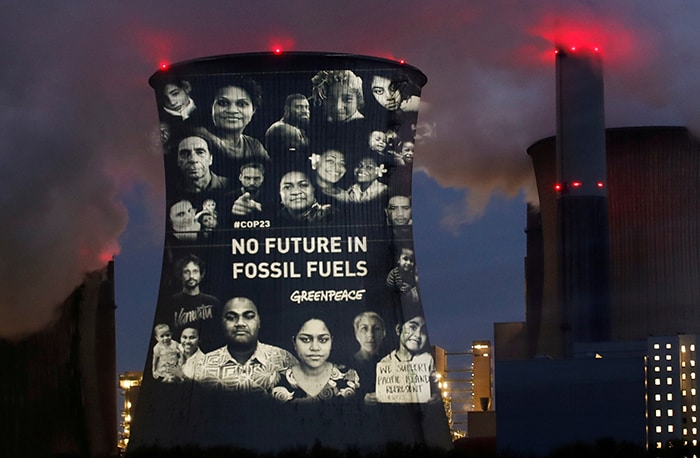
(82,166)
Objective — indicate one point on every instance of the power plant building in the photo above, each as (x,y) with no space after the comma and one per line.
(613,258)
(57,391)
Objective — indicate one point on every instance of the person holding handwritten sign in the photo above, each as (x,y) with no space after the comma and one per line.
(407,374)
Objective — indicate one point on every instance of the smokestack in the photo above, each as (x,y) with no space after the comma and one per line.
(583,201)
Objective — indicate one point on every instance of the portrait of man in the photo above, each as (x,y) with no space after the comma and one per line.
(398,211)
(190,307)
(244,363)
(194,159)
(289,133)
(249,199)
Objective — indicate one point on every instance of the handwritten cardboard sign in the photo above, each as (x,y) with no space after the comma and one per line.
(403,382)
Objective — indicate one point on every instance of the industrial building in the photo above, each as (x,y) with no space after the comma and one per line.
(613,257)
(57,390)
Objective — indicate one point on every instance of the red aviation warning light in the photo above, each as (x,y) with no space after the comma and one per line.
(558,187)
(575,184)
(600,185)
(277,50)
(560,49)
(163,66)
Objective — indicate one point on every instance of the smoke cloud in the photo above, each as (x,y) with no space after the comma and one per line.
(78,118)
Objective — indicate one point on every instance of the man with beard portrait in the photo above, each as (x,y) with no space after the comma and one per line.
(190,307)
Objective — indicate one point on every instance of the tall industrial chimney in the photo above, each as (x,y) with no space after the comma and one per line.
(582,199)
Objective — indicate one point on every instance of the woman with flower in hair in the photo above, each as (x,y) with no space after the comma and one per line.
(329,168)
(315,378)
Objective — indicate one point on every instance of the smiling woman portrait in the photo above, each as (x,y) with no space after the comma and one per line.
(233,106)
(315,378)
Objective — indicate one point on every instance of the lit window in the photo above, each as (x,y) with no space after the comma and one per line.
(693,408)
(682,363)
(669,413)
(669,397)
(657,381)
(670,428)
(695,430)
(669,380)
(659,445)
(693,419)
(695,442)
(657,413)
(669,368)
(657,369)
(682,348)
(684,393)
(658,429)
(656,346)
(692,375)
(685,431)
(657,357)
(692,392)
(683,376)
(692,347)
(668,357)
(692,363)
(684,408)
(657,397)
(668,346)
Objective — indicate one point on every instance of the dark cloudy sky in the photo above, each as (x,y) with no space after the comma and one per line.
(82,172)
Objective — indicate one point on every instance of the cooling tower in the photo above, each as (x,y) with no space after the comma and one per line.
(289,311)
(654,232)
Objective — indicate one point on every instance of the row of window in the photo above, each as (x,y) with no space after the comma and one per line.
(669,346)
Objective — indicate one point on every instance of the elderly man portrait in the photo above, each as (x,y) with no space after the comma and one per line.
(194,159)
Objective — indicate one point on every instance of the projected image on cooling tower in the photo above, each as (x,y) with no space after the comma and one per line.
(289,308)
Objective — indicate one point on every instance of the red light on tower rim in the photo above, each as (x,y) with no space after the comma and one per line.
(163,66)
(277,50)
(558,187)
(600,184)
(576,184)
(559,50)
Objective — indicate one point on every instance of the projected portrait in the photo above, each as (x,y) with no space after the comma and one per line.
(299,203)
(288,135)
(329,170)
(243,363)
(234,104)
(315,378)
(407,374)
